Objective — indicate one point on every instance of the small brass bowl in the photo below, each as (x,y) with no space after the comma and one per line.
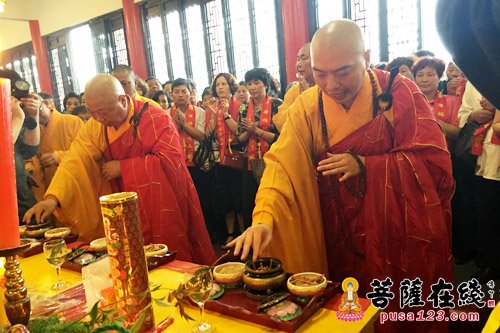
(230,273)
(264,274)
(306,284)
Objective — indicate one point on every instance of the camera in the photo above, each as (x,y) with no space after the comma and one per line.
(20,89)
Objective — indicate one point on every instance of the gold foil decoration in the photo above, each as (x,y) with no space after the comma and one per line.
(122,225)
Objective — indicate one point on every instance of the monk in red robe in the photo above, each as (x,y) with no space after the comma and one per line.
(359,182)
(129,146)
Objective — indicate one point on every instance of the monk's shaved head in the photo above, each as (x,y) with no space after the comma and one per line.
(306,48)
(103,85)
(106,100)
(340,33)
(339,60)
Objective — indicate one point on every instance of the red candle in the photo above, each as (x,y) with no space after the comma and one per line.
(9,221)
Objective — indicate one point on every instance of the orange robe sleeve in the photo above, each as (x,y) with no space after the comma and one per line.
(288,198)
(56,138)
(77,183)
(291,95)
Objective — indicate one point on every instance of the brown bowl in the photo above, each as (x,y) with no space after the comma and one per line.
(264,274)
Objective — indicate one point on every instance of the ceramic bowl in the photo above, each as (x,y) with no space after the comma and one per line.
(155,249)
(230,273)
(99,245)
(57,233)
(306,284)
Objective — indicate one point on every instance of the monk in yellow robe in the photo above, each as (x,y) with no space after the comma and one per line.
(57,132)
(305,80)
(359,182)
(129,146)
(127,78)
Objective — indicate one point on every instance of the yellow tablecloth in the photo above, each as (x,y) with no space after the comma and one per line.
(39,276)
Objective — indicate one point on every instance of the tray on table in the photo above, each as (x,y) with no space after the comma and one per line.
(38,245)
(234,303)
(152,262)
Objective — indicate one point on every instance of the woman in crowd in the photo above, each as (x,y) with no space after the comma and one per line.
(242,93)
(223,113)
(256,128)
(70,102)
(428,72)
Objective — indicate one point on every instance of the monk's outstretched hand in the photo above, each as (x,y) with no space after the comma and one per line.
(256,237)
(344,164)
(41,211)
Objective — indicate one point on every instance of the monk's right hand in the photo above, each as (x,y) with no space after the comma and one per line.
(41,211)
(256,237)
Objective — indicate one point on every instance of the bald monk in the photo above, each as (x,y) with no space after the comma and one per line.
(129,146)
(125,74)
(373,200)
(305,80)
(57,131)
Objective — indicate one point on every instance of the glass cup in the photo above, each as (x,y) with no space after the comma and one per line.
(201,285)
(55,252)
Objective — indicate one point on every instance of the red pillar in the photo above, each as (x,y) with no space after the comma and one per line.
(42,61)
(135,40)
(295,32)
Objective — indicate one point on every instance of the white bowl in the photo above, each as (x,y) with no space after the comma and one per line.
(57,233)
(99,245)
(155,249)
(229,273)
(306,284)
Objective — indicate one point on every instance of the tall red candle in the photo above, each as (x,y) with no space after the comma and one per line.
(9,221)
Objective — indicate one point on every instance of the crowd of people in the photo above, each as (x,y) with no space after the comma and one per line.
(363,166)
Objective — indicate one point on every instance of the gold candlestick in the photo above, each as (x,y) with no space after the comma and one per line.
(18,304)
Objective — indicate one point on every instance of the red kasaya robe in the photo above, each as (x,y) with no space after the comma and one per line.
(152,164)
(402,224)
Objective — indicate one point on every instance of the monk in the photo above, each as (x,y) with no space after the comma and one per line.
(356,185)
(305,80)
(125,74)
(57,131)
(129,146)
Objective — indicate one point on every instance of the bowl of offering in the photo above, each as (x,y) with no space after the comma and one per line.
(37,230)
(306,284)
(155,250)
(57,233)
(263,277)
(230,273)
(99,245)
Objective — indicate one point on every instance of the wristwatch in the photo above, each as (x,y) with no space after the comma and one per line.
(227,117)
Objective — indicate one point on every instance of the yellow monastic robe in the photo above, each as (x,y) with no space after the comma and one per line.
(55,138)
(298,238)
(143,99)
(79,192)
(291,95)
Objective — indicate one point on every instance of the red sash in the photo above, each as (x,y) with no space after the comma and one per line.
(480,135)
(263,123)
(187,140)
(222,130)
(440,107)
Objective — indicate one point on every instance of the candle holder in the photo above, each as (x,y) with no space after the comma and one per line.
(18,304)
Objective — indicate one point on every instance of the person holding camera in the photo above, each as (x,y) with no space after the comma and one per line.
(26,135)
